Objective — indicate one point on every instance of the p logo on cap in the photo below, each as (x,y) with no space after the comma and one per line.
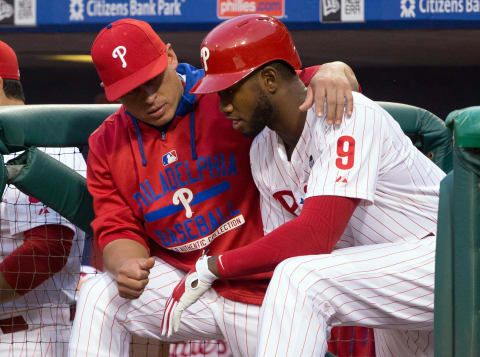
(120,52)
(126,54)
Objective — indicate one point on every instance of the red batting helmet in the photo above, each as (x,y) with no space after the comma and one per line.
(238,46)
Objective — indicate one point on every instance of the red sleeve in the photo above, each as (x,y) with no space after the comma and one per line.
(307,73)
(44,252)
(114,219)
(316,231)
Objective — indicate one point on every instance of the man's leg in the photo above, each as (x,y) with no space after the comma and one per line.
(104,321)
(239,324)
(383,285)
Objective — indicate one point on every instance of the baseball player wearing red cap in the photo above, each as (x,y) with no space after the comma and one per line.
(169,178)
(360,184)
(39,256)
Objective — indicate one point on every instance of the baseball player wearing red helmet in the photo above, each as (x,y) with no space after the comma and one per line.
(40,253)
(169,177)
(361,186)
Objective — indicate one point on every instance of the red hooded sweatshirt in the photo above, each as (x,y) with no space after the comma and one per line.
(179,191)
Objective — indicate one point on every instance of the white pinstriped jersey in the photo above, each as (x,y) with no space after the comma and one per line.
(19,213)
(367,157)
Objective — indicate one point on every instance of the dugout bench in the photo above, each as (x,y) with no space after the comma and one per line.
(38,175)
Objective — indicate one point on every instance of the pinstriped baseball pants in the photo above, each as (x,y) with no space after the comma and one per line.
(386,286)
(104,321)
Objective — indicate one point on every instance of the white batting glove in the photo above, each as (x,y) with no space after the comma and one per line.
(188,291)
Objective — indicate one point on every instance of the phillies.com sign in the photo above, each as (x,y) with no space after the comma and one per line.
(232,8)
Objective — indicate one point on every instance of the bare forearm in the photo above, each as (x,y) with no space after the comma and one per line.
(116,253)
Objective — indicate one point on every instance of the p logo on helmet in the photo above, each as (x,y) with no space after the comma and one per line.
(205,54)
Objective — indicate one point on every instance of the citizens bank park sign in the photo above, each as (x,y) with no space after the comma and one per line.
(203,14)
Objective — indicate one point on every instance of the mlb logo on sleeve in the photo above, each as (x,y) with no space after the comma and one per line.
(169,157)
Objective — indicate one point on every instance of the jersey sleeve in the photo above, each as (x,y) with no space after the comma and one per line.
(114,219)
(307,74)
(350,155)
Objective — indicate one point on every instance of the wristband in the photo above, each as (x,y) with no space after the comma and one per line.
(204,274)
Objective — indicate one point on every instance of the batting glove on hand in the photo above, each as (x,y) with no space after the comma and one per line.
(188,291)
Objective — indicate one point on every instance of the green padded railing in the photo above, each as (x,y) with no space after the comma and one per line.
(443,320)
(49,125)
(466,125)
(457,290)
(56,185)
(43,177)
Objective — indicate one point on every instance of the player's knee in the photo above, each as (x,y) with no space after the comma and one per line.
(300,273)
(97,289)
(286,270)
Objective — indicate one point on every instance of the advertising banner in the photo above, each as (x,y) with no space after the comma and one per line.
(425,10)
(203,14)
(18,12)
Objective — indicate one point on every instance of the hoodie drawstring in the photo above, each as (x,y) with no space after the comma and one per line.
(192,136)
(139,138)
(190,75)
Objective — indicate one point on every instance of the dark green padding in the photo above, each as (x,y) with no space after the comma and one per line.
(466,250)
(50,125)
(3,174)
(444,300)
(457,303)
(427,132)
(466,125)
(55,185)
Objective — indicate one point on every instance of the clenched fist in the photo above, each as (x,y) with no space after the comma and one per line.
(132,277)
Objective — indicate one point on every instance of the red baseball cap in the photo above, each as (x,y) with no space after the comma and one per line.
(8,62)
(126,54)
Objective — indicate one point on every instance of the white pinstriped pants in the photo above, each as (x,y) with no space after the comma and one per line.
(387,286)
(104,321)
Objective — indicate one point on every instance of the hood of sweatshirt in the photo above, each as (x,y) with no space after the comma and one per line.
(190,76)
